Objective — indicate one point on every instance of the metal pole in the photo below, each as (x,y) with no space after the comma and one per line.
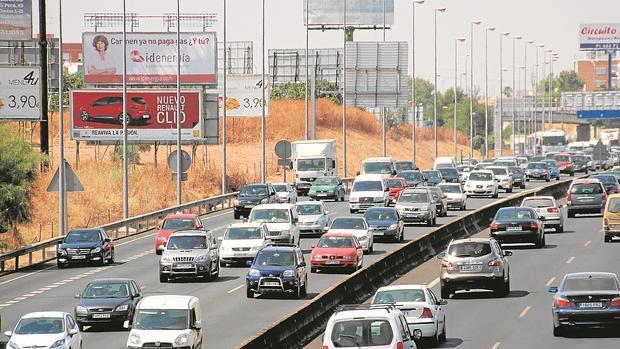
(515,130)
(435,85)
(551,59)
(344,90)
(534,118)
(501,94)
(179,187)
(456,69)
(307,80)
(471,90)
(263,171)
(224,116)
(486,90)
(126,119)
(44,125)
(62,220)
(609,84)
(414,106)
(383,121)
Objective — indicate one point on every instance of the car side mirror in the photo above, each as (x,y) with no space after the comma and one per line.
(491,219)
(542,218)
(8,333)
(244,220)
(248,263)
(302,264)
(507,253)
(73,332)
(394,173)
(445,196)
(296,220)
(312,246)
(327,212)
(220,238)
(159,226)
(76,296)
(441,255)
(358,173)
(198,324)
(126,324)
(200,226)
(553,289)
(107,240)
(442,302)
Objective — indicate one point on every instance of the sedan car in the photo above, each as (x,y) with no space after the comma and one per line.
(336,251)
(45,329)
(518,176)
(385,222)
(537,170)
(313,217)
(417,205)
(552,166)
(481,183)
(356,226)
(86,245)
(455,195)
(286,192)
(412,178)
(107,301)
(586,300)
(329,187)
(241,242)
(449,175)
(518,225)
(172,223)
(546,207)
(433,177)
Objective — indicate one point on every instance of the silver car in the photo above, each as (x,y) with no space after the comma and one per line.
(417,205)
(547,207)
(313,217)
(189,253)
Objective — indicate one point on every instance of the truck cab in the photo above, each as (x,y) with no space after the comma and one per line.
(311,160)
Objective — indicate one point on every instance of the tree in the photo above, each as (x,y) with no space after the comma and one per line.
(566,81)
(297,90)
(507,91)
(424,90)
(72,82)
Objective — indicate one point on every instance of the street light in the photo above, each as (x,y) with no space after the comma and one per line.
(471,89)
(413,98)
(456,74)
(514,73)
(440,9)
(486,89)
(526,125)
(534,110)
(501,95)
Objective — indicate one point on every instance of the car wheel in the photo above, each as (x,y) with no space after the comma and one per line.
(103,259)
(557,178)
(509,190)
(314,269)
(548,179)
(434,340)
(571,214)
(559,229)
(571,174)
(558,331)
(352,211)
(586,171)
(215,274)
(62,266)
(496,195)
(522,186)
(507,287)
(342,198)
(84,115)
(249,293)
(402,236)
(236,215)
(298,293)
(445,292)
(158,252)
(607,238)
(111,260)
(163,278)
(371,248)
(444,333)
(429,222)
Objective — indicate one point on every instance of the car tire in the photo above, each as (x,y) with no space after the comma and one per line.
(559,229)
(571,214)
(249,293)
(342,198)
(84,115)
(111,259)
(464,207)
(509,190)
(314,270)
(557,178)
(103,260)
(496,195)
(570,174)
(163,278)
(444,333)
(547,179)
(236,215)
(158,252)
(297,294)
(607,238)
(506,290)
(352,211)
(371,248)
(558,331)
(523,186)
(402,236)
(586,171)
(445,292)
(62,266)
(215,274)
(434,340)
(429,222)
(304,289)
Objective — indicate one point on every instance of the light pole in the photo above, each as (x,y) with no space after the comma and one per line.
(534,110)
(307,72)
(514,73)
(501,94)
(527,124)
(486,89)
(471,88)
(552,59)
(224,116)
(437,10)
(413,97)
(263,172)
(344,89)
(456,74)
(521,120)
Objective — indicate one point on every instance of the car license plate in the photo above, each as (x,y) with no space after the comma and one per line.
(322,194)
(591,305)
(513,228)
(271,283)
(238,254)
(101,316)
(332,262)
(380,233)
(469,267)
(184,266)
(78,257)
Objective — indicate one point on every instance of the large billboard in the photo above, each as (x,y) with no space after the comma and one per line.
(599,36)
(359,12)
(96,115)
(151,58)
(15,19)
(20,93)
(243,96)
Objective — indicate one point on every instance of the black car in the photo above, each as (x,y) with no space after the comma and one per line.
(518,176)
(385,222)
(85,245)
(450,175)
(106,301)
(518,225)
(413,178)
(433,177)
(610,182)
(588,300)
(253,195)
(581,163)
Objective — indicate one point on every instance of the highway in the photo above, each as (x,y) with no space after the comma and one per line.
(231,317)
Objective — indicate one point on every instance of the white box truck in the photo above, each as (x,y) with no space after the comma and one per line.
(312,159)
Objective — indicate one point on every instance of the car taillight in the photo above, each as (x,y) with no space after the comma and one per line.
(569,197)
(446,265)
(562,303)
(495,263)
(604,196)
(552,209)
(134,107)
(426,314)
(615,302)
(494,226)
(324,347)
(399,345)
(534,226)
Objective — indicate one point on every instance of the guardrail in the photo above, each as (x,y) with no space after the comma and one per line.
(308,321)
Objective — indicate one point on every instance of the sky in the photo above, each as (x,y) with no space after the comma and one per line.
(553,23)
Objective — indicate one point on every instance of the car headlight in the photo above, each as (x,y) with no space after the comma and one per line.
(363,238)
(134,338)
(165,260)
(235,202)
(123,307)
(348,257)
(13,345)
(224,248)
(96,250)
(201,258)
(318,256)
(161,238)
(264,201)
(183,338)
(57,344)
(254,272)
(490,186)
(378,198)
(256,248)
(80,310)
(288,273)
(354,199)
(393,226)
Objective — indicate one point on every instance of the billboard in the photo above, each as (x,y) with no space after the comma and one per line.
(599,36)
(96,115)
(359,12)
(243,96)
(15,19)
(20,93)
(151,58)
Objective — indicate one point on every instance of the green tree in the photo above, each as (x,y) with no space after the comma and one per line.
(424,90)
(71,82)
(507,91)
(297,90)
(566,81)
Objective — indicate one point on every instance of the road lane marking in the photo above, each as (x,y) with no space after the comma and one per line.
(524,312)
(550,281)
(26,275)
(496,345)
(136,239)
(20,298)
(433,283)
(587,243)
(235,289)
(12,302)
(570,260)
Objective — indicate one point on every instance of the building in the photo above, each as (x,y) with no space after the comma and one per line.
(594,73)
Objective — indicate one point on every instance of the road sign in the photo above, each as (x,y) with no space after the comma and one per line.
(186,161)
(183,176)
(599,152)
(72,182)
(598,114)
(20,93)
(283,149)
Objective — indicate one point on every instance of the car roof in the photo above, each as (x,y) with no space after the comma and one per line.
(449,184)
(272,206)
(586,181)
(180,215)
(402,287)
(614,196)
(461,241)
(381,209)
(299,203)
(496,167)
(515,208)
(189,232)
(281,183)
(100,281)
(585,275)
(361,313)
(277,247)
(369,177)
(165,302)
(538,198)
(340,234)
(394,178)
(44,314)
(246,225)
(349,217)
(482,171)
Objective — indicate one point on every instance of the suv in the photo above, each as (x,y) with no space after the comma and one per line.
(281,221)
(252,195)
(585,196)
(278,268)
(189,253)
(85,245)
(416,205)
(474,263)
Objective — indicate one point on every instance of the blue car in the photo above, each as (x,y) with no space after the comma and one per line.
(278,268)
(385,222)
(554,170)
(433,177)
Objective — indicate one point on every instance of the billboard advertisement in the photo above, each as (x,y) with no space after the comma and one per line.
(359,12)
(15,19)
(243,96)
(151,58)
(599,36)
(20,93)
(96,115)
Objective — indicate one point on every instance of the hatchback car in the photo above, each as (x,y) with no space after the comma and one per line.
(518,225)
(546,207)
(252,195)
(481,183)
(565,163)
(385,222)
(356,226)
(417,205)
(45,329)
(87,245)
(433,177)
(313,217)
(336,251)
(518,176)
(585,196)
(107,301)
(611,218)
(395,186)
(286,192)
(537,170)
(455,195)
(189,253)
(241,242)
(111,108)
(554,170)
(329,187)
(172,223)
(278,268)
(449,175)
(412,178)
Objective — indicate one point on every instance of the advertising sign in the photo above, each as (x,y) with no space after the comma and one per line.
(20,93)
(151,58)
(243,96)
(359,12)
(96,115)
(15,19)
(599,36)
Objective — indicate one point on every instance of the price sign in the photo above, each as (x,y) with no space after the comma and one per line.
(243,96)
(20,93)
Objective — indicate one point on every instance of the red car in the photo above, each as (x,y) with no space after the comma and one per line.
(565,163)
(336,251)
(172,223)
(111,108)
(396,185)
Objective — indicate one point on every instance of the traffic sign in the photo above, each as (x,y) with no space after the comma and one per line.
(599,152)
(283,149)
(598,114)
(72,182)
(186,161)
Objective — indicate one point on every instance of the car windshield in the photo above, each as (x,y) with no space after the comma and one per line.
(243,233)
(348,223)
(579,158)
(595,283)
(449,172)
(355,333)
(335,241)
(537,203)
(308,209)
(418,197)
(522,161)
(165,319)
(432,174)
(469,249)
(480,176)
(326,181)
(83,236)
(586,188)
(537,165)
(275,258)
(613,205)
(311,164)
(562,157)
(399,296)
(280,188)
(450,188)
(606,179)
(515,170)
(511,214)
(178,223)
(380,214)
(499,171)
(377,168)
(551,163)
(411,176)
(253,190)
(272,215)
(367,186)
(40,325)
(106,290)
(403,165)
(394,183)
(187,242)
(505,163)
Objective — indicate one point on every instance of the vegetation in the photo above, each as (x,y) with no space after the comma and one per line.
(71,82)
(297,90)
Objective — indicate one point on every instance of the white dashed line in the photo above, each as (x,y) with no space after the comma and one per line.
(44,289)
(433,283)
(570,260)
(20,298)
(587,243)
(12,302)
(235,289)
(524,312)
(37,292)
(133,240)
(496,345)
(550,281)
(23,276)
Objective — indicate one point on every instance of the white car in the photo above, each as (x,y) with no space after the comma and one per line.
(425,313)
(281,221)
(241,242)
(313,217)
(368,191)
(455,195)
(547,207)
(46,329)
(503,177)
(356,226)
(481,183)
(286,192)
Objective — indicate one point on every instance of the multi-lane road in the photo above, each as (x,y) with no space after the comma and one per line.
(231,317)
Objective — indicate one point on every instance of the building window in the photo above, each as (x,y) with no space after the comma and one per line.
(601,70)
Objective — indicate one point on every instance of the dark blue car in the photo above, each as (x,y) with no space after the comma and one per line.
(432,177)
(384,222)
(554,170)
(253,195)
(449,175)
(278,268)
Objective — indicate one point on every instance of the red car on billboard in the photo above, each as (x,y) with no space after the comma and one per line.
(172,223)
(110,108)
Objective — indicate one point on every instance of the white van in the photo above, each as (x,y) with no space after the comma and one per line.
(173,321)
(384,166)
(281,221)
(444,161)
(368,191)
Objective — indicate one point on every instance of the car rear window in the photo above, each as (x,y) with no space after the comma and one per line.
(590,284)
(606,179)
(536,203)
(357,333)
(499,171)
(178,223)
(398,296)
(613,205)
(469,249)
(586,188)
(348,223)
(479,176)
(509,214)
(394,183)
(562,157)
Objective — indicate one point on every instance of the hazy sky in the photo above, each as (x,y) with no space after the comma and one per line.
(550,22)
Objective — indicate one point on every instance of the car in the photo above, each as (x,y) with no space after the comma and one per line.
(470,161)
(449,174)
(565,163)
(45,329)
(443,162)
(464,171)
(417,205)
(518,225)
(580,162)
(441,201)
(537,170)
(424,312)
(610,182)
(552,166)
(357,226)
(313,217)
(85,245)
(329,187)
(107,301)
(546,207)
(385,222)
(368,191)
(585,196)
(241,242)
(172,223)
(518,176)
(412,178)
(537,158)
(586,300)
(166,321)
(502,176)
(278,268)
(455,195)
(433,177)
(189,253)
(522,161)
(505,162)
(252,195)
(481,183)
(336,251)
(395,186)
(367,326)
(286,192)
(483,165)
(404,165)
(474,263)
(110,108)
(611,218)
(281,220)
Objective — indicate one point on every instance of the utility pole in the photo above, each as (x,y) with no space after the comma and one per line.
(44,124)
